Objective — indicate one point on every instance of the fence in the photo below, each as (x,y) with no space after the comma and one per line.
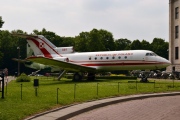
(67,92)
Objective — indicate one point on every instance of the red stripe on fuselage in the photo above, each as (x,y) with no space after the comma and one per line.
(121,64)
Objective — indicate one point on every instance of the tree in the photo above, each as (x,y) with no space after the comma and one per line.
(67,41)
(95,42)
(160,47)
(1,53)
(8,47)
(136,45)
(122,44)
(145,45)
(1,22)
(81,42)
(107,40)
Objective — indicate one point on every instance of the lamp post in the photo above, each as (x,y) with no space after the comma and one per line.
(18,48)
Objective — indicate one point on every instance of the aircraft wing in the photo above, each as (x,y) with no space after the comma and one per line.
(24,35)
(21,61)
(38,66)
(61,64)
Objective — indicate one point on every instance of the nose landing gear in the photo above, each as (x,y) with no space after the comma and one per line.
(144,78)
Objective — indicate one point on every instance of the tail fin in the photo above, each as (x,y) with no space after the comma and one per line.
(40,45)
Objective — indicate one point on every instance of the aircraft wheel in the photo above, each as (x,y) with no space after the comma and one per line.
(144,79)
(91,76)
(77,77)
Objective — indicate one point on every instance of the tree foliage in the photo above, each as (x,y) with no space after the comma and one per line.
(95,40)
(145,45)
(1,22)
(160,47)
(136,45)
(122,44)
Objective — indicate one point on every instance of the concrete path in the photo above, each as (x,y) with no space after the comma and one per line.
(7,80)
(159,108)
(128,103)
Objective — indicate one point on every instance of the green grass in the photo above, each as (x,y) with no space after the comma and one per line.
(15,108)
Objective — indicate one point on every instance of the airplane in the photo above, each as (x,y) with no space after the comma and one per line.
(90,62)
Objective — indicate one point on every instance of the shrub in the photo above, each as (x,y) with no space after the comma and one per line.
(23,78)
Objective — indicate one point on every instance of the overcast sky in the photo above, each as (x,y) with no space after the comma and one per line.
(131,19)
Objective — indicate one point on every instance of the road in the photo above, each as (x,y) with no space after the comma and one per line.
(158,108)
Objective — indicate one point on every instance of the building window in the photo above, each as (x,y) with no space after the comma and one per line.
(176,53)
(176,31)
(173,68)
(176,12)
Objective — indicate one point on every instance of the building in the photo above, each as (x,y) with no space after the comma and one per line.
(174,36)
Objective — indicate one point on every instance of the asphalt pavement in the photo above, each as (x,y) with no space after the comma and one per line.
(68,112)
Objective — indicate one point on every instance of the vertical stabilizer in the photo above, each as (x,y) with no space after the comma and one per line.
(42,46)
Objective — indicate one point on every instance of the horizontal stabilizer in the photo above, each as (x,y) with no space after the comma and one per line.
(24,35)
(20,60)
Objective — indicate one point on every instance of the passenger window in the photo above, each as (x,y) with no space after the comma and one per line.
(95,58)
(101,58)
(113,57)
(107,57)
(90,58)
(119,57)
(125,57)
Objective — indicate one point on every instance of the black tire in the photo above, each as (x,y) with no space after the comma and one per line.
(91,77)
(77,77)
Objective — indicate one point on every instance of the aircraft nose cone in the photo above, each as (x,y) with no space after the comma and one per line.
(167,62)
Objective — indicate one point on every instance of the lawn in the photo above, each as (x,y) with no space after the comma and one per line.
(21,99)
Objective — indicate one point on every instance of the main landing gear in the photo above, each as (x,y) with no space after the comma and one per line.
(79,77)
(91,76)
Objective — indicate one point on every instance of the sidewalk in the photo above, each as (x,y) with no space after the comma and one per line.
(73,110)
(7,80)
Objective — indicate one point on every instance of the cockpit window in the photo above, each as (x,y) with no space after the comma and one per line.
(147,54)
(151,54)
(154,54)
